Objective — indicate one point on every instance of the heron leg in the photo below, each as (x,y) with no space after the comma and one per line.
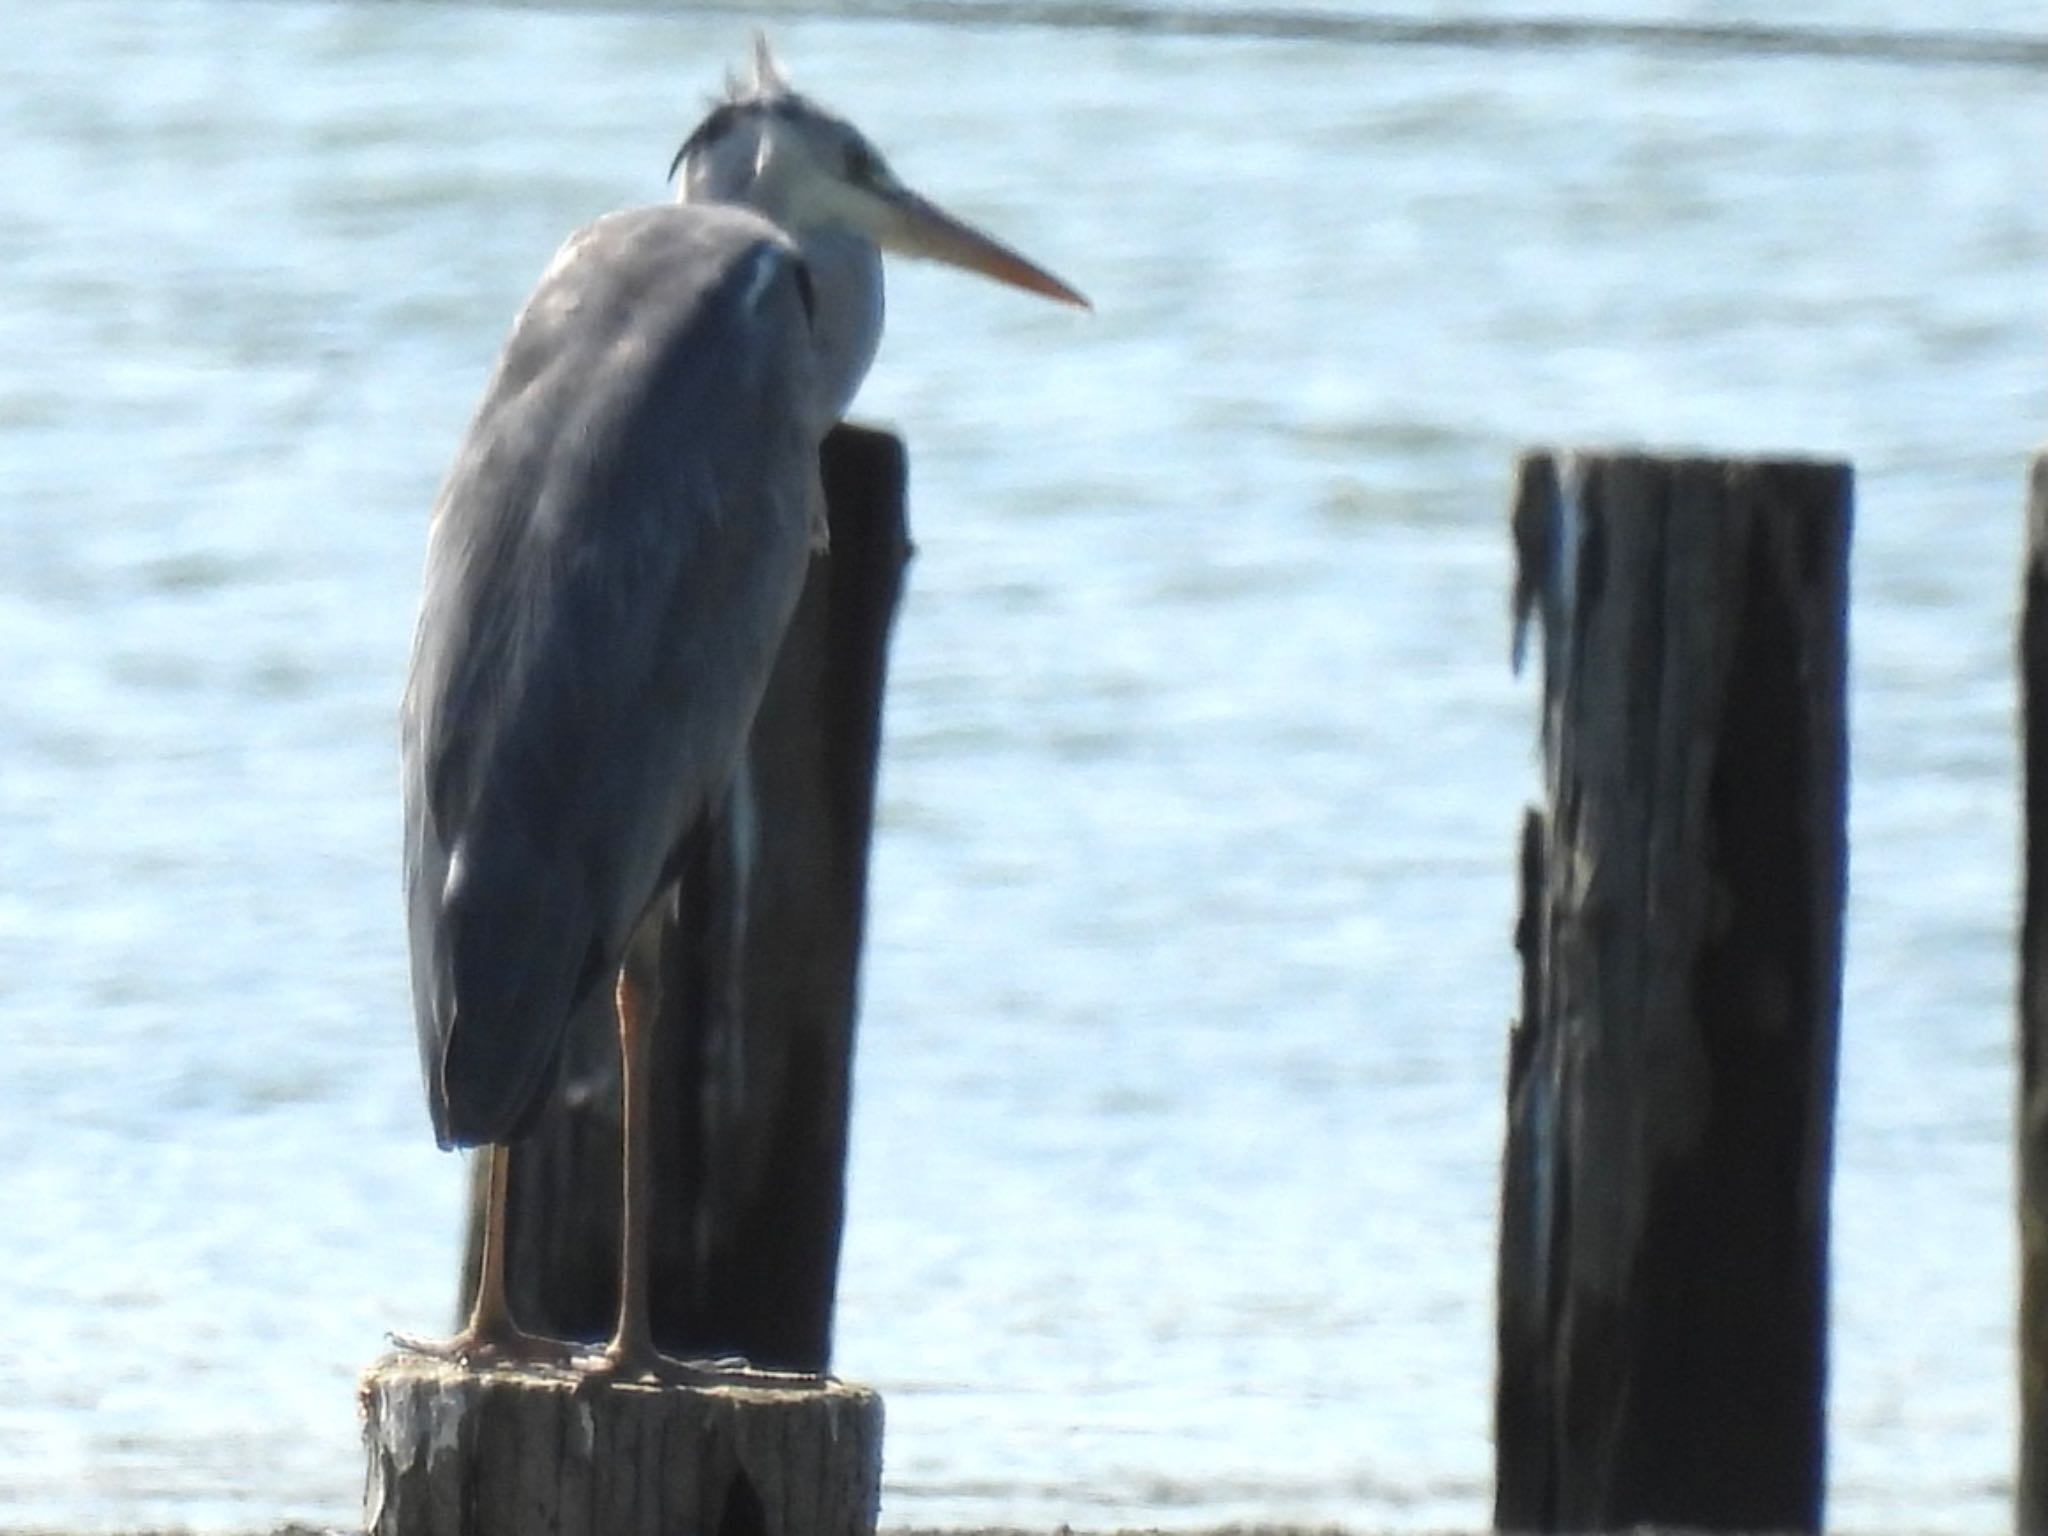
(631,1351)
(489,1316)
(632,1355)
(490,1337)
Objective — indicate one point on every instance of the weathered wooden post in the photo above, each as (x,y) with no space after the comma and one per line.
(758,1026)
(754,1051)
(2032,1493)
(1663,1280)
(534,1452)
(753,1068)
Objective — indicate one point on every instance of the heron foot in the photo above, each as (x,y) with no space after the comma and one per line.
(646,1364)
(504,1345)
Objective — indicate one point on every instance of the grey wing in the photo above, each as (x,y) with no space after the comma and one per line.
(612,563)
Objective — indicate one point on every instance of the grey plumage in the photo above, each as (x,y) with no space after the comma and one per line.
(612,562)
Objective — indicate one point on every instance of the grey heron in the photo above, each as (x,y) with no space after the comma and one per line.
(612,561)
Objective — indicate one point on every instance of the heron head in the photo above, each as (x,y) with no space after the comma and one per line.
(780,153)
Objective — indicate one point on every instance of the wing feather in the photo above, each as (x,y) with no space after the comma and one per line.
(612,562)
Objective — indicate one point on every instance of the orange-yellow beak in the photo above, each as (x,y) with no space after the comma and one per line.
(914,227)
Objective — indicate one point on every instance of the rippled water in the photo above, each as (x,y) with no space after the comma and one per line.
(1179,1089)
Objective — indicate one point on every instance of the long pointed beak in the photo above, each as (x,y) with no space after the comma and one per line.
(915,227)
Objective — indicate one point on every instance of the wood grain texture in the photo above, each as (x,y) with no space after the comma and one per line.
(1663,1283)
(456,1452)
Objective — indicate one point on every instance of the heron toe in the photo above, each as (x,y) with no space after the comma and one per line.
(487,1348)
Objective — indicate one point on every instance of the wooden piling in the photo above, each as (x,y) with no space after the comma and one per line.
(2031,1496)
(535,1452)
(1663,1279)
(761,1024)
(755,1019)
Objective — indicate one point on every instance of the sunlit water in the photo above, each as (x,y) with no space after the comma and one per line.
(1179,1092)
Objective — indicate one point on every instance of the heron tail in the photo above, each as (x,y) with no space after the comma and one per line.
(507,978)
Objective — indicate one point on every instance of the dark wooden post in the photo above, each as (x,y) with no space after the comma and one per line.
(1663,1282)
(758,1025)
(2032,1498)
(757,1004)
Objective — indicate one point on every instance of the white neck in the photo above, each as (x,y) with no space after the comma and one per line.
(845,266)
